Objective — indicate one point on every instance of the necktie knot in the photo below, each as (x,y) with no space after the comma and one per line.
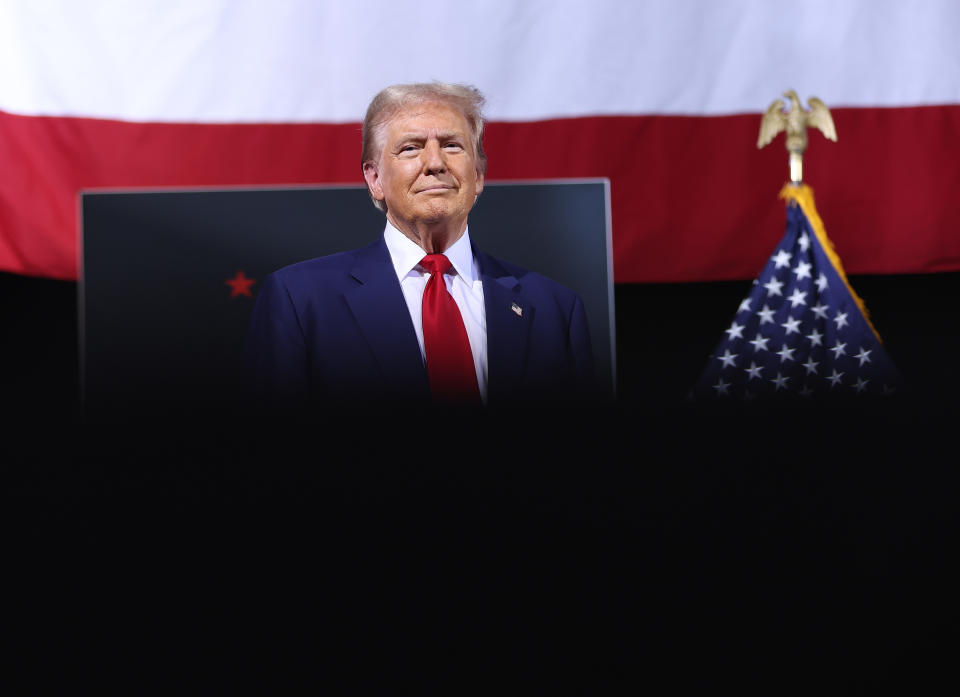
(435,264)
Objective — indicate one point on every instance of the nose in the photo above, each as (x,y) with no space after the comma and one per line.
(433,162)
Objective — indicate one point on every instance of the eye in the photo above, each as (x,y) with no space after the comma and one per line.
(408,150)
(453,146)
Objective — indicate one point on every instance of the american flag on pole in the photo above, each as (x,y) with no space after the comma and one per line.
(802,331)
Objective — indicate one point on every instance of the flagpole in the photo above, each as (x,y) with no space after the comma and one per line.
(796,168)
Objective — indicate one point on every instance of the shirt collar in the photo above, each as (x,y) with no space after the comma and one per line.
(406,254)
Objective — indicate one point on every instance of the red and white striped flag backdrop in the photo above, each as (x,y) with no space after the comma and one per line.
(663,97)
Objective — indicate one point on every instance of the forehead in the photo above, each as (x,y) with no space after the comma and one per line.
(426,117)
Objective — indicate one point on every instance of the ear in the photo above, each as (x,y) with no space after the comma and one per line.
(372,176)
(479,186)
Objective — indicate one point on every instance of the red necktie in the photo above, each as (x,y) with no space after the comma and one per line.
(453,377)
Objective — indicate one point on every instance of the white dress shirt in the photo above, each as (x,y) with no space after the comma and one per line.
(465,286)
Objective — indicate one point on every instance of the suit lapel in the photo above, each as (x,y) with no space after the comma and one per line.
(378,305)
(509,319)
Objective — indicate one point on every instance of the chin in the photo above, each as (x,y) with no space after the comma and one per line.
(437,213)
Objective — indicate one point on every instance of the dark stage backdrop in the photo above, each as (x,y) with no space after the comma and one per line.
(761,551)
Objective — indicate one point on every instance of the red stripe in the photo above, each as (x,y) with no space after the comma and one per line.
(693,199)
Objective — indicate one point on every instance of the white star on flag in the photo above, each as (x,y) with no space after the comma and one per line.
(735,331)
(766,314)
(782,259)
(728,359)
(786,353)
(799,297)
(820,310)
(773,286)
(760,343)
(802,270)
(791,325)
(780,381)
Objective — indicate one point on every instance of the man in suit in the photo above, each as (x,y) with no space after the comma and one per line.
(420,315)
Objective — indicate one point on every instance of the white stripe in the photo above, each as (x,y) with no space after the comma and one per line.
(322,60)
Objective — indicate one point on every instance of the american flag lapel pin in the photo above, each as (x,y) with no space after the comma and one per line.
(518,311)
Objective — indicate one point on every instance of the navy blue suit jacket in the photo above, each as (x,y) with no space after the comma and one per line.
(337,328)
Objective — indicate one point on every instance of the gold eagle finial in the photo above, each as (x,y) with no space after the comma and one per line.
(795,121)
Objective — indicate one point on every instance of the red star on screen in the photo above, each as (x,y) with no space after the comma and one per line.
(240,285)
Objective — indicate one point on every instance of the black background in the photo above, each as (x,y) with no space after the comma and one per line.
(644,547)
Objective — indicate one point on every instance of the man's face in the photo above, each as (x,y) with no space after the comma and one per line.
(427,171)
